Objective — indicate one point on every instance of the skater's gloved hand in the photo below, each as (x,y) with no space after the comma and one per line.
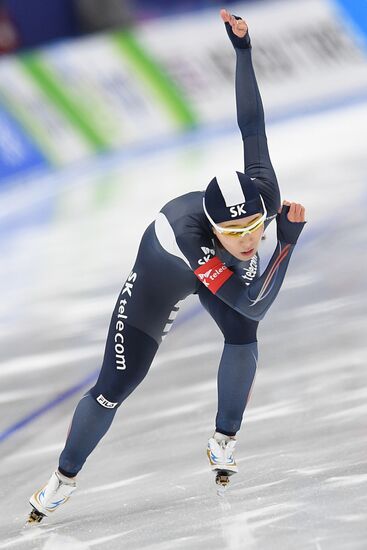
(290,222)
(237,30)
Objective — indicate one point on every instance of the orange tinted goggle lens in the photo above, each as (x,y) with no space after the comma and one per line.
(250,229)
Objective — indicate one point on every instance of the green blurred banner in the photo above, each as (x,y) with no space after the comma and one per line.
(112,92)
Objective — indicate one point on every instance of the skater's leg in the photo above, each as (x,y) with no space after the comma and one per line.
(236,376)
(142,314)
(82,439)
(96,410)
(238,363)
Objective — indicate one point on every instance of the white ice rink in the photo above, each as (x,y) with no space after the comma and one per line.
(302,449)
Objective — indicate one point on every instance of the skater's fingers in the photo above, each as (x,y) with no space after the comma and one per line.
(292,215)
(301,213)
(296,212)
(225,15)
(232,21)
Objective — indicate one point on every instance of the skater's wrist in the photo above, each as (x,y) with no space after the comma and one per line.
(289,228)
(238,43)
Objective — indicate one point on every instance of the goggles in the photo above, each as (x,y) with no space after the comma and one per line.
(240,231)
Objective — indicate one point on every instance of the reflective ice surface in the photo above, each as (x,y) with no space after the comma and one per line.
(302,447)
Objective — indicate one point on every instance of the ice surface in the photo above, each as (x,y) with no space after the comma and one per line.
(302,448)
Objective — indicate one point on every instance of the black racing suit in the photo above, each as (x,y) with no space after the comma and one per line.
(178,256)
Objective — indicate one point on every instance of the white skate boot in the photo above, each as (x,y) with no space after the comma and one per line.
(220,453)
(51,496)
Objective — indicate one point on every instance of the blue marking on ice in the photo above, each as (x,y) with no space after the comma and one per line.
(72,390)
(200,135)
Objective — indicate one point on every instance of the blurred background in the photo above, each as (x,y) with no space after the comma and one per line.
(108,109)
(29,24)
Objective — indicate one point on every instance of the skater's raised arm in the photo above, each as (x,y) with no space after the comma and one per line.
(250,115)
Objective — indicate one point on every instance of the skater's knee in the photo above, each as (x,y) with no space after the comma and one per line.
(122,373)
(105,398)
(111,392)
(236,355)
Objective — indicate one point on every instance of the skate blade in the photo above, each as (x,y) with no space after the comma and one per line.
(35,517)
(230,469)
(222,480)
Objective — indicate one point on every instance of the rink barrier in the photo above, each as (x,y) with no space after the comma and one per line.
(45,193)
(156,77)
(15,146)
(55,93)
(118,90)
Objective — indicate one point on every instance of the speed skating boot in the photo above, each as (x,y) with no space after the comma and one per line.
(220,453)
(48,499)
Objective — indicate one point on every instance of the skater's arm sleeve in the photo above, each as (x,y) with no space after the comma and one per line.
(254,300)
(250,118)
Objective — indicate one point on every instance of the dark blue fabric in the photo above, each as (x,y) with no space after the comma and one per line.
(161,277)
(251,121)
(91,419)
(237,367)
(39,21)
(288,232)
(157,282)
(217,207)
(236,375)
(236,328)
(253,301)
(90,423)
(139,351)
(240,43)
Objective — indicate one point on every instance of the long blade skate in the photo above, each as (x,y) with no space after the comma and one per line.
(35,516)
(48,499)
(222,480)
(221,458)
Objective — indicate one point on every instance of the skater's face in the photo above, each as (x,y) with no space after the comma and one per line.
(242,247)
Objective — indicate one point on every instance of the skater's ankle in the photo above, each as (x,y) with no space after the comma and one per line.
(65,476)
(223,436)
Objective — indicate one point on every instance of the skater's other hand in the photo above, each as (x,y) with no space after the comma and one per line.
(296,211)
(239,26)
(290,222)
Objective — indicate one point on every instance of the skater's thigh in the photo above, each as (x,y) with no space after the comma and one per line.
(236,328)
(143,314)
(157,284)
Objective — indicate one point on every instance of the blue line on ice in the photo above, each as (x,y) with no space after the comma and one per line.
(309,237)
(83,383)
(186,316)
